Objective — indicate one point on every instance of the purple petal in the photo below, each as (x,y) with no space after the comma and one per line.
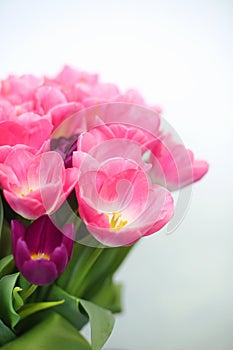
(68,158)
(39,271)
(21,253)
(68,238)
(17,230)
(42,236)
(60,258)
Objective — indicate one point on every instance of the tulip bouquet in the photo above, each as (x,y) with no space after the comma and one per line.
(85,172)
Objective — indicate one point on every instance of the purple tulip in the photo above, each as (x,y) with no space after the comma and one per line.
(41,251)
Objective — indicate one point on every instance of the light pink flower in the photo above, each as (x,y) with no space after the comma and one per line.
(117,201)
(35,185)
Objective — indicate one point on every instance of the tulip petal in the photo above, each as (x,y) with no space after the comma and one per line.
(13,133)
(43,236)
(60,258)
(68,238)
(48,97)
(39,271)
(28,207)
(18,230)
(61,112)
(21,253)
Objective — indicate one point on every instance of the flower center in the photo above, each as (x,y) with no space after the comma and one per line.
(23,194)
(115,222)
(36,256)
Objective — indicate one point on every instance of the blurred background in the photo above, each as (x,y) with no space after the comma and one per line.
(179,54)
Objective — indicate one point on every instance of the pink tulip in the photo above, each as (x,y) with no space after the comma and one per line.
(70,76)
(173,165)
(6,150)
(47,97)
(101,93)
(35,185)
(19,89)
(73,83)
(117,201)
(6,110)
(109,113)
(61,112)
(28,129)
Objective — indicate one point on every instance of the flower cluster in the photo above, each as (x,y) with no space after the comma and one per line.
(75,134)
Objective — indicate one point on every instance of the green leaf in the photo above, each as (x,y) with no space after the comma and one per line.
(7,265)
(7,311)
(53,333)
(75,311)
(29,309)
(82,257)
(17,300)
(101,321)
(5,240)
(70,309)
(6,334)
(104,267)
(109,296)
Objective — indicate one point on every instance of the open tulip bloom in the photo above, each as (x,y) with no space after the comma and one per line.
(85,172)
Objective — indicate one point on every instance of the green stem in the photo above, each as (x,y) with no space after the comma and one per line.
(29,292)
(79,280)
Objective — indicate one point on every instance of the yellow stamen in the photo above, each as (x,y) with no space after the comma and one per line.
(36,256)
(23,194)
(115,222)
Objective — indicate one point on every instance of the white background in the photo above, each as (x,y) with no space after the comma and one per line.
(178,287)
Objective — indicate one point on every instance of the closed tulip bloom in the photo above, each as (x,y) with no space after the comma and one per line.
(41,251)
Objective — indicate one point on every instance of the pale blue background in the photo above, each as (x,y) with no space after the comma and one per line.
(178,287)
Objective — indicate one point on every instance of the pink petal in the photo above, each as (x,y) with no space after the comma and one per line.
(173,165)
(71,76)
(19,89)
(39,129)
(105,90)
(28,207)
(19,161)
(47,97)
(12,133)
(8,178)
(61,112)
(71,178)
